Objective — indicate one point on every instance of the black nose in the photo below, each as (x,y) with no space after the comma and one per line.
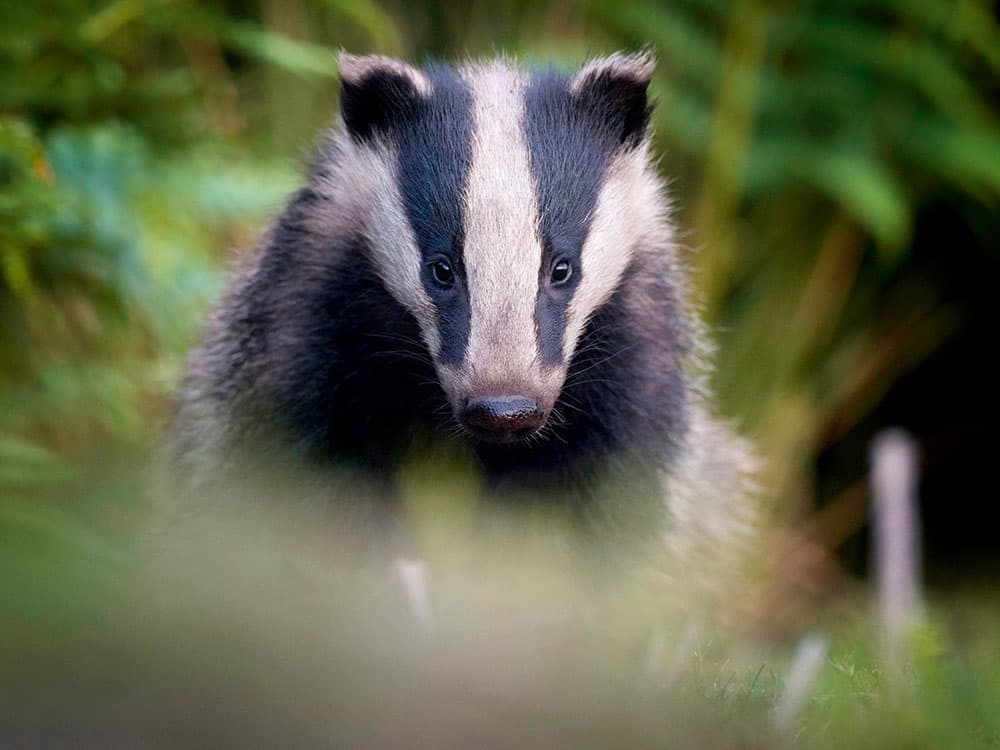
(502,419)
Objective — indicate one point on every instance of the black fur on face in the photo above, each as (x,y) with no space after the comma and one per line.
(434,153)
(356,379)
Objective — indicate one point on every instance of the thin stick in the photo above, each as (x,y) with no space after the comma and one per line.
(413,575)
(810,656)
(894,473)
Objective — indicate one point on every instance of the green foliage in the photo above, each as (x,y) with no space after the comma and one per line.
(112,255)
(118,198)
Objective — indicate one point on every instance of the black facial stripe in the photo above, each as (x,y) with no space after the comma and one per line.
(551,304)
(435,152)
(569,157)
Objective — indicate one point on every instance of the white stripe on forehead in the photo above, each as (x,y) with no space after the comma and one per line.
(502,250)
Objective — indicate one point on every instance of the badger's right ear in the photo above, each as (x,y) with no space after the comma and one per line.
(377,91)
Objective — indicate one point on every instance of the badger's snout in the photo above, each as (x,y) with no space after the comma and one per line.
(502,419)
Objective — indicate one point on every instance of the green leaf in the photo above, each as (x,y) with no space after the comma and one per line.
(969,158)
(293,55)
(378,24)
(866,191)
(41,519)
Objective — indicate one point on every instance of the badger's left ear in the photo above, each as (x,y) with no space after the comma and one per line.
(377,91)
(614,89)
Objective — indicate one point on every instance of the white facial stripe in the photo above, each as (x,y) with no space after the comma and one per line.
(625,213)
(368,188)
(502,251)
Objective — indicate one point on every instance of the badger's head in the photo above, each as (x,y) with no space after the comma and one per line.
(501,208)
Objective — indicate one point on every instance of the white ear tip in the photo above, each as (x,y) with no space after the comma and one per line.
(635,66)
(346,62)
(643,63)
(356,68)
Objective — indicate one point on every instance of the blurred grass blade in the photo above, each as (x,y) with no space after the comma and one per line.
(866,191)
(22,517)
(24,463)
(376,22)
(306,58)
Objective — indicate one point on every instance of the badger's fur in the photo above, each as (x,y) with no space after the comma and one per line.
(342,338)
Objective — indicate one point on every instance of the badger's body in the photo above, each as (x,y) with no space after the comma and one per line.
(481,255)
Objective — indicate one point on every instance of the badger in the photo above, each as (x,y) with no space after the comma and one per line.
(483,255)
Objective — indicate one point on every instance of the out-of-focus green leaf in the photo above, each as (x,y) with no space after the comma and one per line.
(112,17)
(25,463)
(277,49)
(970,159)
(22,517)
(925,67)
(867,191)
(377,23)
(967,22)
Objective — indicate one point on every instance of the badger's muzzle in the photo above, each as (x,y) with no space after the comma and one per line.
(502,419)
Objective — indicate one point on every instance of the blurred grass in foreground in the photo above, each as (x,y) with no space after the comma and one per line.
(265,630)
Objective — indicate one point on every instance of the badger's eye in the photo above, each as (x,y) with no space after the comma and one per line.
(442,272)
(561,272)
